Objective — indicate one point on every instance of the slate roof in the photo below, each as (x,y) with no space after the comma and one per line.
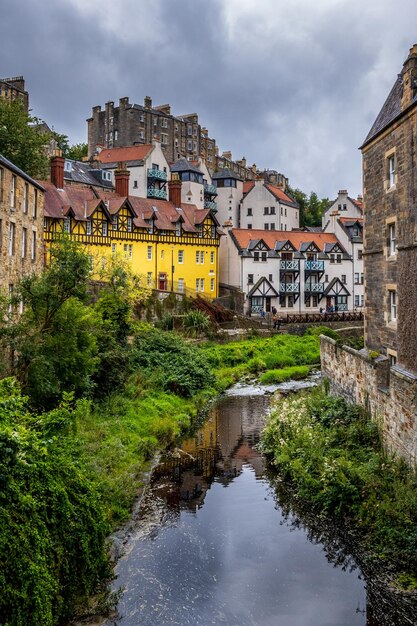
(226,173)
(182,165)
(390,110)
(82,173)
(13,168)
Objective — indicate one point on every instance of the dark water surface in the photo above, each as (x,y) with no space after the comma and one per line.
(213,545)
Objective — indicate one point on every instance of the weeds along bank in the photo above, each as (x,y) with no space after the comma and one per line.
(331,453)
(69,475)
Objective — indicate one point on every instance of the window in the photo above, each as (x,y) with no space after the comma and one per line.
(270,278)
(180,256)
(26,198)
(392,306)
(155,121)
(162,254)
(356,280)
(104,228)
(391,240)
(181,285)
(113,249)
(272,210)
(115,222)
(202,256)
(211,284)
(335,258)
(256,255)
(67,225)
(360,255)
(35,204)
(263,256)
(197,284)
(356,300)
(266,226)
(343,279)
(392,359)
(266,210)
(135,184)
(33,246)
(212,257)
(128,250)
(249,212)
(315,300)
(250,279)
(149,253)
(344,207)
(307,301)
(178,229)
(12,231)
(326,278)
(13,193)
(89,227)
(362,300)
(201,284)
(249,225)
(391,171)
(272,226)
(285,211)
(24,242)
(197,256)
(129,224)
(149,277)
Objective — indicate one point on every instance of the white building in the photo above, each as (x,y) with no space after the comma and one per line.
(229,188)
(267,207)
(344,219)
(148,167)
(293,271)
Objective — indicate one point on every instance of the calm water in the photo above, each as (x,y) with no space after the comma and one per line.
(213,545)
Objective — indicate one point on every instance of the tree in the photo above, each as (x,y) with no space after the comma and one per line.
(311,208)
(21,141)
(76,152)
(54,342)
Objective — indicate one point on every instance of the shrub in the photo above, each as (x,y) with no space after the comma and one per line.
(281,375)
(196,322)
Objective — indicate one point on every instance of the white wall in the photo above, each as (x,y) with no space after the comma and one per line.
(257,201)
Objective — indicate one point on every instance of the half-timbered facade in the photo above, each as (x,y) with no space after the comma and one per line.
(175,245)
(291,271)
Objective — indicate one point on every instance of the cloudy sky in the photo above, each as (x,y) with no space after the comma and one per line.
(292,85)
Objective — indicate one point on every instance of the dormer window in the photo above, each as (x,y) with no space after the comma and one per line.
(67,225)
(104,228)
(89,227)
(129,224)
(178,229)
(68,166)
(106,175)
(115,224)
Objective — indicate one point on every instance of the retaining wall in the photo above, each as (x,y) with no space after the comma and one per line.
(388,393)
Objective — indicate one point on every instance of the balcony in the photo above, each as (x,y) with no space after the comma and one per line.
(157,174)
(314,287)
(210,204)
(289,287)
(314,266)
(292,266)
(157,193)
(210,190)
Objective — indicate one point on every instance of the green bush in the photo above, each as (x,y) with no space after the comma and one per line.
(333,455)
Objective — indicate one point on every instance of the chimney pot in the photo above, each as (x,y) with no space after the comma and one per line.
(174,188)
(121,177)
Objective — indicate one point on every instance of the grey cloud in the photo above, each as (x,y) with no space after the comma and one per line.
(293,87)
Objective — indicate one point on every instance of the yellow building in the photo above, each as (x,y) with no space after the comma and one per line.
(175,245)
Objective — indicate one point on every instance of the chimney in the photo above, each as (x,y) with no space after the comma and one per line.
(174,187)
(57,171)
(343,192)
(147,102)
(121,176)
(409,78)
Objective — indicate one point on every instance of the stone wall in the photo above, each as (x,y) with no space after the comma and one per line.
(388,393)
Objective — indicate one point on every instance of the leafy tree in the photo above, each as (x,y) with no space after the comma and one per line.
(311,207)
(21,141)
(77,151)
(53,344)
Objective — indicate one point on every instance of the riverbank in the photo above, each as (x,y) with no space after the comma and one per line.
(331,454)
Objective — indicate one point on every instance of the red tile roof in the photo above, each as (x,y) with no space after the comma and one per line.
(351,220)
(248,185)
(270,237)
(131,153)
(280,194)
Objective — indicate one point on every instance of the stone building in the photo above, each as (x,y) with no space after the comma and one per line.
(383,376)
(14,88)
(21,225)
(181,136)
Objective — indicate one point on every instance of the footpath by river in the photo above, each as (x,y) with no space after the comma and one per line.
(216,543)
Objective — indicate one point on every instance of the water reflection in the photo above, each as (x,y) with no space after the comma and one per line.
(218,543)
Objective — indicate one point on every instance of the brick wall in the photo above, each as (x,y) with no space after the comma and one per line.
(390,394)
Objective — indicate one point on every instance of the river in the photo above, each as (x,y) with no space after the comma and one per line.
(214,546)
